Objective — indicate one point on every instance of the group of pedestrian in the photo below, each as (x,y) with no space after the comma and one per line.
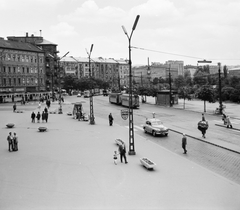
(12,142)
(44,116)
(121,152)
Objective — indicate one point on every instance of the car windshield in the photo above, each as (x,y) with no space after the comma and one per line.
(157,123)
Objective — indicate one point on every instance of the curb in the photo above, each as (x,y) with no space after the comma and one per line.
(227,128)
(206,141)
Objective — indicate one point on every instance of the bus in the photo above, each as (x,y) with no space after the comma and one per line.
(123,99)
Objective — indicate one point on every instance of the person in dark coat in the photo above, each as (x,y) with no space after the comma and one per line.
(122,152)
(38,117)
(110,118)
(184,143)
(10,142)
(14,107)
(15,142)
(46,116)
(43,116)
(33,115)
(203,126)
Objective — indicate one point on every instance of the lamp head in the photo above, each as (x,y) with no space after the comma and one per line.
(124,29)
(135,23)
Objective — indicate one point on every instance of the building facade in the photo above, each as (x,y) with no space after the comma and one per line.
(22,67)
(109,70)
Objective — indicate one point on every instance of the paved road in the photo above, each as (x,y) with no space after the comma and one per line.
(71,167)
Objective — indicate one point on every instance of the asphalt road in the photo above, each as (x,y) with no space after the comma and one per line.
(216,159)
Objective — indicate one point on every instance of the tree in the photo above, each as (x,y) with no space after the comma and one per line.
(205,93)
(184,92)
(200,79)
(179,82)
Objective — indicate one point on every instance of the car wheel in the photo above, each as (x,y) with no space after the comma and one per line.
(166,134)
(145,130)
(154,133)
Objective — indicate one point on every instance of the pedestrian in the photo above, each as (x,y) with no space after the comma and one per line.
(38,117)
(10,142)
(15,142)
(184,143)
(203,126)
(45,109)
(110,118)
(115,157)
(43,116)
(46,116)
(14,107)
(33,115)
(122,152)
(228,122)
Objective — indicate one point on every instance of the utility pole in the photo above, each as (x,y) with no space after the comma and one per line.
(131,128)
(220,89)
(170,87)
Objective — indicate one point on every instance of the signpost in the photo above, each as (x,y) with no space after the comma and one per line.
(124,114)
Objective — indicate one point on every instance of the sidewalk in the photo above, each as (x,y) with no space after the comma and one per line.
(198,106)
(71,167)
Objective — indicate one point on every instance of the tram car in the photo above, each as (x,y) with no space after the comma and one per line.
(123,99)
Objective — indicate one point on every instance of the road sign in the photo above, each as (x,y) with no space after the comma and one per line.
(124,113)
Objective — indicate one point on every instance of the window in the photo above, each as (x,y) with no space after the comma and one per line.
(36,81)
(14,69)
(19,81)
(14,81)
(9,69)
(27,70)
(27,80)
(23,81)
(4,69)
(4,81)
(9,81)
(18,69)
(23,69)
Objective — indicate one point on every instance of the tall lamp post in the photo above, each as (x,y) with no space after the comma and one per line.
(92,118)
(131,128)
(60,89)
(170,87)
(220,89)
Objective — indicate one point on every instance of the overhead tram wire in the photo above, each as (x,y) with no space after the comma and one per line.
(187,56)
(140,48)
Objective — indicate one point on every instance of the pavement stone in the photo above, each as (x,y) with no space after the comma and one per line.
(71,167)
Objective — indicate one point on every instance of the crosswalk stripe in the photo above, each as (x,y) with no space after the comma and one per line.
(136,128)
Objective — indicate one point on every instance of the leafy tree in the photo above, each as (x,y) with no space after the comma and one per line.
(205,93)
(226,92)
(200,79)
(155,81)
(225,71)
(184,92)
(179,82)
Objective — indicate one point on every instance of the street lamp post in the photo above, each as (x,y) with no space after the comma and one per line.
(170,87)
(131,128)
(60,89)
(220,89)
(92,118)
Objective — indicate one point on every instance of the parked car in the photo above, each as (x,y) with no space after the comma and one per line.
(79,95)
(155,127)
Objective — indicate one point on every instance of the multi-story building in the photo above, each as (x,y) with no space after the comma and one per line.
(22,68)
(109,70)
(53,72)
(144,75)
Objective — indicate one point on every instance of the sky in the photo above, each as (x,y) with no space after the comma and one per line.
(185,30)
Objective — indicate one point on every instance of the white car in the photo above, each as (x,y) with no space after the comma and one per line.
(155,127)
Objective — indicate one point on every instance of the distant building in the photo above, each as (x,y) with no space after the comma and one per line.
(110,70)
(234,71)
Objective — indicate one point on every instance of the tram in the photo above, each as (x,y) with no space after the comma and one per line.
(123,99)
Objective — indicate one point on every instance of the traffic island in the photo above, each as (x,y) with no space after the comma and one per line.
(10,125)
(42,129)
(147,163)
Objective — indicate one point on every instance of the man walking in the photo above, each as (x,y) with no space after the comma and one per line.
(110,118)
(184,143)
(122,152)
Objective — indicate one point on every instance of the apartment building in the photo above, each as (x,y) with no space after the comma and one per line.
(22,67)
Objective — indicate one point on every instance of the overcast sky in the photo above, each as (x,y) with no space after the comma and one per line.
(187,30)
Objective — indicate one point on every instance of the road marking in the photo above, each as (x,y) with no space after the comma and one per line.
(138,127)
(233,122)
